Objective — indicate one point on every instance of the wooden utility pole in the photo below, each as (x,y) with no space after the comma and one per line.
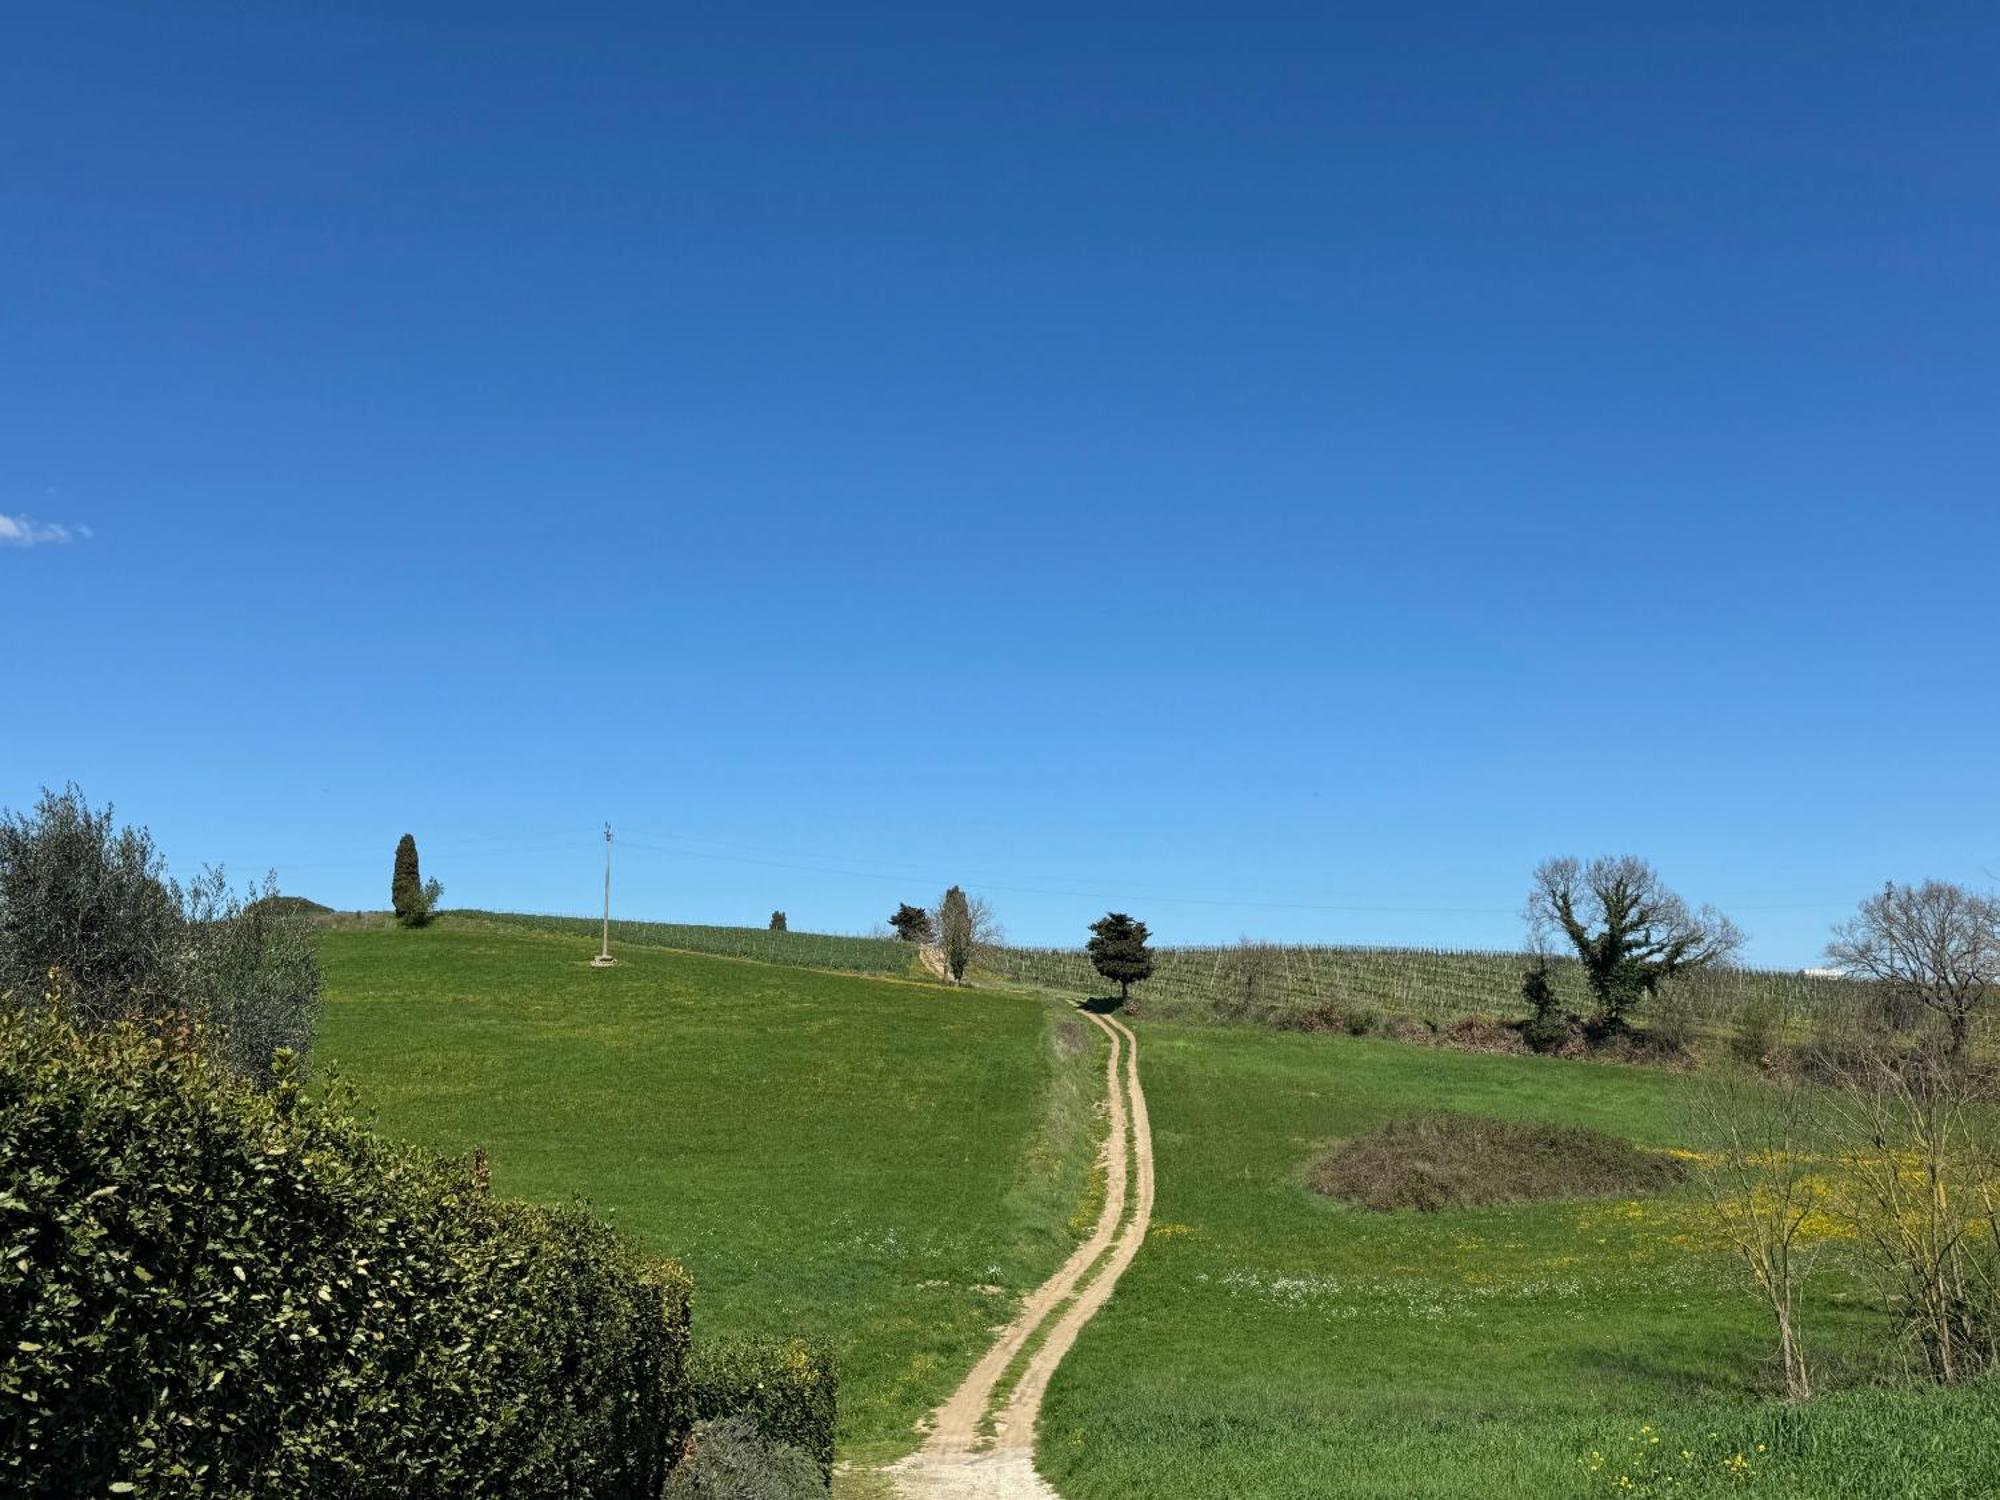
(604,960)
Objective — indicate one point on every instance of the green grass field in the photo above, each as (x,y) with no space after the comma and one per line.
(884,1163)
(811,950)
(1271,1343)
(869,1157)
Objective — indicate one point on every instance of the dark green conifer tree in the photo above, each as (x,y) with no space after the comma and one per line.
(1118,951)
(955,932)
(912,923)
(406,886)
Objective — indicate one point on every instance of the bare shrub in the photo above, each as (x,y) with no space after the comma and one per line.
(731,1459)
(1763,1191)
(1253,980)
(1915,1137)
(1481,1034)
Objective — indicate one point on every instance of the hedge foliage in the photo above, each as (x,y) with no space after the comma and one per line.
(210,1290)
(784,1386)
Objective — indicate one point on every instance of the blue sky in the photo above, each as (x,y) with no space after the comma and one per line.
(1283,472)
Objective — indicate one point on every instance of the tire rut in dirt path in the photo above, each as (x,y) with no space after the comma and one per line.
(956,1462)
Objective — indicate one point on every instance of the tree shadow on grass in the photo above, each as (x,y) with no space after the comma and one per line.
(1101,1005)
(1686,1376)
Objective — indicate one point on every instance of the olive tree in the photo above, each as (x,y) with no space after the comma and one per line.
(89,901)
(1630,932)
(89,916)
(1934,946)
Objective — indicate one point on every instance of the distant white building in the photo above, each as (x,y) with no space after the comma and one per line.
(1823,973)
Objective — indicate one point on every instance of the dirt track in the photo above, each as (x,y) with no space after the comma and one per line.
(956,1461)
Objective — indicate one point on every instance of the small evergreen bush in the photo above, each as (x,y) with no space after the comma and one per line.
(784,1386)
(1547,1028)
(214,1291)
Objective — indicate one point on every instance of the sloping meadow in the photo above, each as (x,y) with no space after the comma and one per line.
(1272,1341)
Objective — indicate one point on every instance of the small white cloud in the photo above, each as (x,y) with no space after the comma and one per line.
(25,531)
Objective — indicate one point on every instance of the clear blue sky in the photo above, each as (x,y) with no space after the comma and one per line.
(1282,472)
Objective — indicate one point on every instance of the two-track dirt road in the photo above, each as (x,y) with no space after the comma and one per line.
(961,1461)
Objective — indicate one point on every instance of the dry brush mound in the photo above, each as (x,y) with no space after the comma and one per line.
(1436,1161)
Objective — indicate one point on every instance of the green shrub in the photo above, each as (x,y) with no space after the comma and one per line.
(732,1460)
(784,1386)
(1546,1031)
(1671,1031)
(1754,1037)
(1362,1020)
(212,1291)
(1434,1161)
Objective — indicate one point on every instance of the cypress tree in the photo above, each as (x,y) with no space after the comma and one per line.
(406,886)
(1118,951)
(777,921)
(954,929)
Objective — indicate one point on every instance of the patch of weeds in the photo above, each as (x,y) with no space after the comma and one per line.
(1652,1463)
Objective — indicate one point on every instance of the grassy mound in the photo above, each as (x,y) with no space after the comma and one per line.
(1434,1161)
(291,904)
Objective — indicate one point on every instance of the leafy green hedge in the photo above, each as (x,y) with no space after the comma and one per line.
(784,1386)
(211,1291)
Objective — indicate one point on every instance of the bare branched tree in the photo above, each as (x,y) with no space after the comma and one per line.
(1933,945)
(1763,1190)
(1631,933)
(1914,1134)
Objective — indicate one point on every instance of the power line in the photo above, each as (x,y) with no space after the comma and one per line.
(1129,896)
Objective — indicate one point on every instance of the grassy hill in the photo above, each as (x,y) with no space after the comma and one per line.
(888,1161)
(881,1162)
(1269,983)
(809,950)
(1270,1342)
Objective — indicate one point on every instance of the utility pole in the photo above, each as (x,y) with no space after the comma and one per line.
(604,960)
